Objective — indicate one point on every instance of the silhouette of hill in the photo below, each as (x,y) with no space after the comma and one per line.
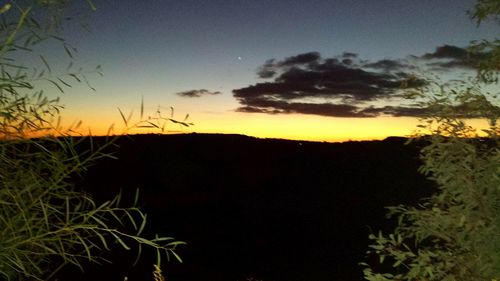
(270,209)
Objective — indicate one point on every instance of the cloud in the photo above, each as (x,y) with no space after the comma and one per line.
(352,111)
(197,93)
(268,70)
(270,67)
(330,109)
(447,52)
(343,85)
(336,86)
(331,79)
(388,65)
(449,57)
(325,109)
(396,111)
(300,59)
(349,55)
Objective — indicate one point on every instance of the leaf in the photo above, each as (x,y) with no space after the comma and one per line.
(57,85)
(98,69)
(88,83)
(87,248)
(67,210)
(130,218)
(57,38)
(92,6)
(381,258)
(45,215)
(136,197)
(177,257)
(75,77)
(139,252)
(46,63)
(100,222)
(125,246)
(5,8)
(153,124)
(24,48)
(159,239)
(64,82)
(68,52)
(428,269)
(143,224)
(103,240)
(158,257)
(34,22)
(176,243)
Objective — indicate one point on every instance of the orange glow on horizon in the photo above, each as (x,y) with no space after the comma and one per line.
(291,126)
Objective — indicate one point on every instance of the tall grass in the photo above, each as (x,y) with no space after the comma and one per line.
(45,222)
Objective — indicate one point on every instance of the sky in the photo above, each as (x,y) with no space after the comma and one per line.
(306,70)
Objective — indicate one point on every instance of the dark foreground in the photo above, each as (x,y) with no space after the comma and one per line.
(272,210)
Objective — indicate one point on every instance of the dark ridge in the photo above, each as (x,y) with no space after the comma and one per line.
(276,210)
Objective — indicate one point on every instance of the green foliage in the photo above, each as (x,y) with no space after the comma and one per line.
(489,66)
(455,233)
(45,223)
(484,9)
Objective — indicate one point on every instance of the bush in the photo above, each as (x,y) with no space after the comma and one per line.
(454,234)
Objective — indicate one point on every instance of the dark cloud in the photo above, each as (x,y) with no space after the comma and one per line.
(450,57)
(336,86)
(396,111)
(267,70)
(469,109)
(351,111)
(349,55)
(342,86)
(388,65)
(270,67)
(197,93)
(325,109)
(300,59)
(447,52)
(347,61)
(336,110)
(266,73)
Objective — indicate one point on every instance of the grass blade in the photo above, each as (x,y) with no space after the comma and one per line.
(123,117)
(142,107)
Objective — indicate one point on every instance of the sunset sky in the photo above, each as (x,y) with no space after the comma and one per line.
(310,70)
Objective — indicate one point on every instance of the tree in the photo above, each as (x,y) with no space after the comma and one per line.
(455,233)
(45,223)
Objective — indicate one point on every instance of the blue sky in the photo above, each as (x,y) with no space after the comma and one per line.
(155,49)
